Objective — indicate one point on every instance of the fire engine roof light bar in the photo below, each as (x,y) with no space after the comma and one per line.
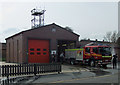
(99,44)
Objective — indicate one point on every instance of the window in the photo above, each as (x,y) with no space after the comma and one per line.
(31,49)
(44,49)
(87,50)
(80,53)
(31,53)
(38,49)
(53,30)
(38,53)
(104,50)
(95,50)
(44,53)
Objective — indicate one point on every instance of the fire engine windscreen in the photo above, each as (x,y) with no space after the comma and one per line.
(105,51)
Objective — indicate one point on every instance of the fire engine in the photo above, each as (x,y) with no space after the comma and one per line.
(93,55)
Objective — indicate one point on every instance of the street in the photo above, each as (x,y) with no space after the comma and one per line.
(74,74)
(65,42)
(97,79)
(86,75)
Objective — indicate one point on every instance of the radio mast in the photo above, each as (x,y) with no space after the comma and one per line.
(37,18)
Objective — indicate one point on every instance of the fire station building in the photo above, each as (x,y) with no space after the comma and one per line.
(36,45)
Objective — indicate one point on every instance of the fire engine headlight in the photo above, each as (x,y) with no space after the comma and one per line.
(100,61)
(87,59)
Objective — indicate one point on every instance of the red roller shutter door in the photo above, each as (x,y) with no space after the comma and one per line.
(38,51)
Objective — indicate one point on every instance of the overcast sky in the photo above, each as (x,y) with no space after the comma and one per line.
(88,19)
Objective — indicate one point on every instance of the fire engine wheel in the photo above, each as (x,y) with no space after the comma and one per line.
(104,65)
(92,63)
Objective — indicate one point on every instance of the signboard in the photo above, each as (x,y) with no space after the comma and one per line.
(53,51)
(79,55)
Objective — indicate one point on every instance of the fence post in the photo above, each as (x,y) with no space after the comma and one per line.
(7,74)
(35,69)
(3,71)
(59,70)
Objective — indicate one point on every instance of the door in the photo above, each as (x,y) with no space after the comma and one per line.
(38,51)
(87,53)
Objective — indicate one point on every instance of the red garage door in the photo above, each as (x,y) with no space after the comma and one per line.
(38,51)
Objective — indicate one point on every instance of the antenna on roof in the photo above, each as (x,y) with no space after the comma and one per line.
(37,17)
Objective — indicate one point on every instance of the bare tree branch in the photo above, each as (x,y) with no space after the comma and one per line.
(114,37)
(107,37)
(111,36)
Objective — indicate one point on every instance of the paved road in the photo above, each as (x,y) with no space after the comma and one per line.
(93,79)
(81,77)
(75,74)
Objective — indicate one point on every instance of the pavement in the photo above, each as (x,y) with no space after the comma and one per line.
(69,72)
(4,63)
(77,74)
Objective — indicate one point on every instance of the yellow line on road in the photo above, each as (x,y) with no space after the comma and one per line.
(62,81)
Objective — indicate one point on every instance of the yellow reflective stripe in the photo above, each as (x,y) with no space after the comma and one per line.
(88,54)
(96,55)
(72,49)
(106,56)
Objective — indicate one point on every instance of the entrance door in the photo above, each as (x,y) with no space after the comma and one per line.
(38,51)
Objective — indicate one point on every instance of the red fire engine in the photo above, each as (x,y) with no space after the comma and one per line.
(92,55)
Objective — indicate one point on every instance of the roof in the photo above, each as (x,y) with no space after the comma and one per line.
(2,43)
(98,46)
(39,27)
(95,41)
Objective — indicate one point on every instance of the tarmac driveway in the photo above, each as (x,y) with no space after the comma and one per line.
(69,72)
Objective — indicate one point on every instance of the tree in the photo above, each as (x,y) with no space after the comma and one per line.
(107,37)
(114,37)
(111,36)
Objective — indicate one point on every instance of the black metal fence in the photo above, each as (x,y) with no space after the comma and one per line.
(26,69)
